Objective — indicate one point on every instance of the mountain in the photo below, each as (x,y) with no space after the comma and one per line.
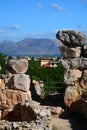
(30,47)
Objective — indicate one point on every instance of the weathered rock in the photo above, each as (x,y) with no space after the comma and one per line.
(8,98)
(17,66)
(83,82)
(71,95)
(70,52)
(19,82)
(2,84)
(37,87)
(75,65)
(79,63)
(29,111)
(71,76)
(56,110)
(71,38)
(65,64)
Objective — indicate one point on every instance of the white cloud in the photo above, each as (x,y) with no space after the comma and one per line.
(57,7)
(13,27)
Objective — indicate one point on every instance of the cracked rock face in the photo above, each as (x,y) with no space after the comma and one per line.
(17,66)
(71,38)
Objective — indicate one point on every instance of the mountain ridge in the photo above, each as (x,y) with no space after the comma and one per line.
(30,46)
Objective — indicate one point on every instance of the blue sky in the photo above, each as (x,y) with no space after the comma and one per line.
(41,18)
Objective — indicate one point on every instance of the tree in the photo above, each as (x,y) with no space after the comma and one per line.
(2,63)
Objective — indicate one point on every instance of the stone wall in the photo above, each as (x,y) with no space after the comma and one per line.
(14,86)
(17,109)
(74,60)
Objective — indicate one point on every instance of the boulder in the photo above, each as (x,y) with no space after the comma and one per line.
(71,95)
(70,52)
(17,66)
(71,76)
(78,63)
(19,82)
(71,38)
(8,98)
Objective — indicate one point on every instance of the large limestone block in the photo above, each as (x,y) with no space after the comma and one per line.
(17,66)
(83,82)
(71,95)
(71,76)
(8,98)
(70,52)
(19,82)
(71,38)
(78,63)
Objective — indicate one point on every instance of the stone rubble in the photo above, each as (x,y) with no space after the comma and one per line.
(28,115)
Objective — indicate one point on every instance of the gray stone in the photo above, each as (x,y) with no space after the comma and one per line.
(17,66)
(79,63)
(70,52)
(71,76)
(19,82)
(65,64)
(71,38)
(45,112)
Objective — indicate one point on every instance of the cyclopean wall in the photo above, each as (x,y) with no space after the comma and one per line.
(74,60)
(14,86)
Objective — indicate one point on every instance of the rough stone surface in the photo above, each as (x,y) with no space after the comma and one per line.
(79,63)
(2,84)
(8,98)
(37,87)
(19,82)
(70,52)
(71,95)
(17,66)
(29,115)
(57,110)
(71,76)
(74,61)
(65,64)
(71,38)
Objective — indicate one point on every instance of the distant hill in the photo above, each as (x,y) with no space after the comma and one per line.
(31,47)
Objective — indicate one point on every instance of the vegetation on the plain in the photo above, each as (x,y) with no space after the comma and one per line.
(51,76)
